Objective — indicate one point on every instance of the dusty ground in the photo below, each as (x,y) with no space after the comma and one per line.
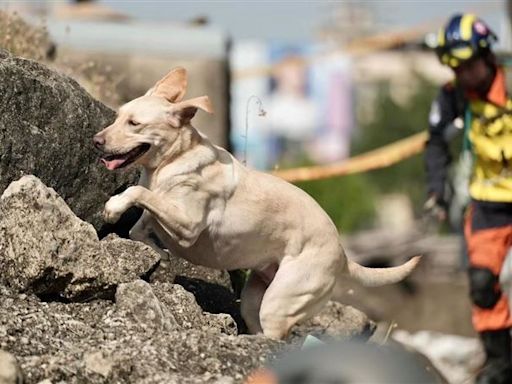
(422,304)
(435,297)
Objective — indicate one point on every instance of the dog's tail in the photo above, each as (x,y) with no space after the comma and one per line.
(375,277)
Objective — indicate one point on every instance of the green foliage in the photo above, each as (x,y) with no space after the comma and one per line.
(348,200)
(394,122)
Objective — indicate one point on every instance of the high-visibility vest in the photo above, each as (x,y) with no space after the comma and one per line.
(490,136)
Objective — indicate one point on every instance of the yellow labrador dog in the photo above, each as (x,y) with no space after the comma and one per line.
(208,208)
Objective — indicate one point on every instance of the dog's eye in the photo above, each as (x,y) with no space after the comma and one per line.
(133,122)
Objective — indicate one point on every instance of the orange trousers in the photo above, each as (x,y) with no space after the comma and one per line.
(487,248)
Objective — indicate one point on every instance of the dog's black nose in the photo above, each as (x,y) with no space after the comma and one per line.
(98,141)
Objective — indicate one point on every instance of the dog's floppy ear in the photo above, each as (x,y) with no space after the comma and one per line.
(184,112)
(172,87)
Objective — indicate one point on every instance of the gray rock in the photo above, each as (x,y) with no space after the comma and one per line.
(213,298)
(96,362)
(47,122)
(221,322)
(94,343)
(47,250)
(10,372)
(137,301)
(336,321)
(170,269)
(189,315)
(211,288)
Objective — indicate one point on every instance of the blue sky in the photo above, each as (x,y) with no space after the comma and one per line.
(298,20)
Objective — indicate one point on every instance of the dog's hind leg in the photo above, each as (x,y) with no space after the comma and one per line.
(296,294)
(251,297)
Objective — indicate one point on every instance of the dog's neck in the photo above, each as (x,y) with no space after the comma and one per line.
(189,151)
(187,139)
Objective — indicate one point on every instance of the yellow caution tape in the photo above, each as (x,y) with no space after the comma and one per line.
(378,158)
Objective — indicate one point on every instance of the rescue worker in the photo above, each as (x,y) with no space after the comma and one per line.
(476,104)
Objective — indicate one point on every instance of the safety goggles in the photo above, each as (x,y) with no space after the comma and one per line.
(455,56)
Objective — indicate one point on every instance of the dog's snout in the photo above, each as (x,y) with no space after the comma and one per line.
(99,141)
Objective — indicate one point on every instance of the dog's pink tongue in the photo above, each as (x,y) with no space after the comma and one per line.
(112,164)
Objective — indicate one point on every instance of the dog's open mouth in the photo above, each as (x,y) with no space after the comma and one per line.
(120,160)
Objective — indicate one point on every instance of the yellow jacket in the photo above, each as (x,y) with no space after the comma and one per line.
(490,138)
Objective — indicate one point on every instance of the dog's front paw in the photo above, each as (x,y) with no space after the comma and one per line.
(115,207)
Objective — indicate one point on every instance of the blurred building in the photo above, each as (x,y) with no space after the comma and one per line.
(308,104)
(315,93)
(348,20)
(341,76)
